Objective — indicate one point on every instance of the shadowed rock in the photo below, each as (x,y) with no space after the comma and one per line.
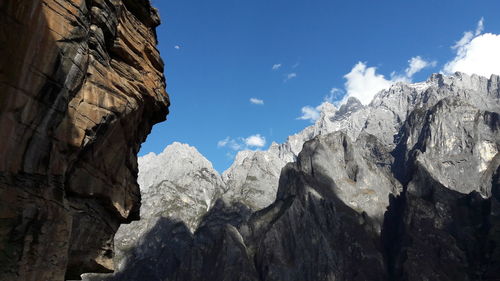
(412,194)
(81,86)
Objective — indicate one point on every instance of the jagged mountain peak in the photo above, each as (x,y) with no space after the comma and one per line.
(175,149)
(462,80)
(420,163)
(153,168)
(351,105)
(327,109)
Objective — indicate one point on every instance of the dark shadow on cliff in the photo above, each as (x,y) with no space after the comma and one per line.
(36,84)
(219,251)
(311,234)
(68,168)
(440,233)
(169,251)
(432,231)
(156,257)
(308,233)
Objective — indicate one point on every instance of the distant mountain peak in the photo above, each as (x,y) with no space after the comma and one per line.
(422,160)
(352,104)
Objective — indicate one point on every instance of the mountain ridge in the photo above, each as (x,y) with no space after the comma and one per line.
(366,195)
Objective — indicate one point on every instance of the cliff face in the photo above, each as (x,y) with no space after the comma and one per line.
(178,183)
(81,85)
(406,188)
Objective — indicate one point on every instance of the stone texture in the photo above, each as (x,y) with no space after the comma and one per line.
(310,233)
(179,182)
(82,84)
(179,186)
(250,177)
(406,188)
(255,175)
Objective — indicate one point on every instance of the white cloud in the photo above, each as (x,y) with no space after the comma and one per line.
(476,53)
(335,95)
(334,91)
(290,76)
(464,40)
(276,66)
(363,83)
(309,113)
(256,101)
(296,65)
(240,143)
(313,113)
(255,141)
(480,27)
(223,142)
(416,64)
(177,47)
(231,143)
(469,35)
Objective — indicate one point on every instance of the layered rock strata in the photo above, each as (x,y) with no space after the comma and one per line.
(81,85)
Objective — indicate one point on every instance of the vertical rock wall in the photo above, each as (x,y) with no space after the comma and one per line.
(81,85)
(412,196)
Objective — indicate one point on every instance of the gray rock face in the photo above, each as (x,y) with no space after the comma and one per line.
(406,188)
(310,232)
(255,175)
(249,179)
(81,86)
(179,183)
(447,152)
(178,187)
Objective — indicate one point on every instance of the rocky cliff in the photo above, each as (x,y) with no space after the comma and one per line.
(406,188)
(81,85)
(179,184)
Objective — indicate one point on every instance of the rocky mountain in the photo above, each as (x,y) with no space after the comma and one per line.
(179,184)
(189,188)
(406,188)
(81,85)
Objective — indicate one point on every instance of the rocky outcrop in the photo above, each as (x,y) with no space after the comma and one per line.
(250,177)
(448,214)
(310,232)
(178,187)
(178,182)
(413,194)
(81,85)
(255,174)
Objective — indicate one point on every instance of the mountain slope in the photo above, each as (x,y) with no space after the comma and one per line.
(383,118)
(406,188)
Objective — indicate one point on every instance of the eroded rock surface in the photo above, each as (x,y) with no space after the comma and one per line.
(383,118)
(81,85)
(178,187)
(406,188)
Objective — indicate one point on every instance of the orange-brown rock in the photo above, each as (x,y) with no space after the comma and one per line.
(81,85)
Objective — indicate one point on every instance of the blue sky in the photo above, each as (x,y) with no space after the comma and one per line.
(220,54)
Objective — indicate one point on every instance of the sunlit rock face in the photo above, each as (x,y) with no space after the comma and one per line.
(383,118)
(405,188)
(179,184)
(187,181)
(81,85)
